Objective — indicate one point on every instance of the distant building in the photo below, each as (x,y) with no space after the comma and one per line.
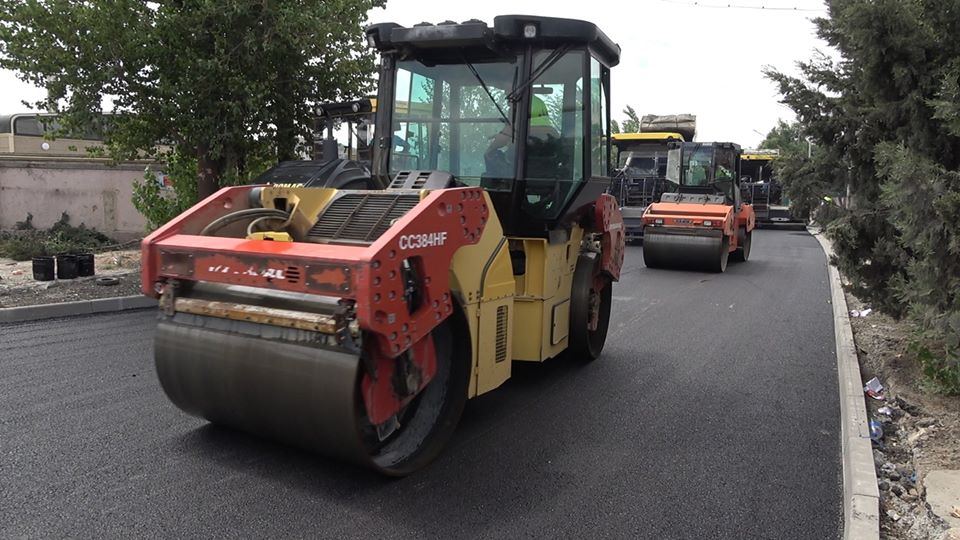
(46,177)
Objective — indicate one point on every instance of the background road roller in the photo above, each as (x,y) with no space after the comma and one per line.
(357,323)
(703,221)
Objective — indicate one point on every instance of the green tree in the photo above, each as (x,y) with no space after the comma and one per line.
(886,118)
(632,123)
(225,83)
(798,168)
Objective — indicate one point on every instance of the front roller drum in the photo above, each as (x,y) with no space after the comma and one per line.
(685,249)
(280,384)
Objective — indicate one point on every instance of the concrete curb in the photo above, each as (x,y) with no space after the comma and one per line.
(861,497)
(80,307)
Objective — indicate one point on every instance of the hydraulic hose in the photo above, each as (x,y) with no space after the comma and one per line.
(239,215)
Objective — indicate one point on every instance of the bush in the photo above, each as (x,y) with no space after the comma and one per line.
(28,242)
(159,205)
(943,370)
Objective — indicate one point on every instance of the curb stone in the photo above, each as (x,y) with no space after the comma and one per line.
(69,309)
(861,496)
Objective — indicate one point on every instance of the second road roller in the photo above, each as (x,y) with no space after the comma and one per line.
(357,323)
(702,222)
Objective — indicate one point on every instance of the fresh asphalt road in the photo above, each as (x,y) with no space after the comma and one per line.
(713,413)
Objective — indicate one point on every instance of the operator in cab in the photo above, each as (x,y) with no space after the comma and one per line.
(540,133)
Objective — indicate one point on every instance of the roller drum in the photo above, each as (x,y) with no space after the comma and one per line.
(700,250)
(290,385)
(282,389)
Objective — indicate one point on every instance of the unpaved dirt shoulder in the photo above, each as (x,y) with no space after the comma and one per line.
(921,429)
(18,288)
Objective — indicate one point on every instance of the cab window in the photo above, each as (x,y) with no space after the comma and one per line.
(598,120)
(554,146)
(453,118)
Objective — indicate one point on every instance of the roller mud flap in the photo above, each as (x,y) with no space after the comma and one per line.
(693,249)
(273,382)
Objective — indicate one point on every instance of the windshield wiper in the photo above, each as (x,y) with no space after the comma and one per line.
(487,90)
(544,65)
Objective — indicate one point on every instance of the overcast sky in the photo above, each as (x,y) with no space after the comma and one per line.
(678,56)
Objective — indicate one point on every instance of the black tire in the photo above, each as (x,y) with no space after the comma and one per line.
(744,241)
(585,344)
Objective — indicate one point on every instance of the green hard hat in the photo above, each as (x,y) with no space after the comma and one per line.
(538,113)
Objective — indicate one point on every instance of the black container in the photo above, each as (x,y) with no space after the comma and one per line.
(43,268)
(66,266)
(85,264)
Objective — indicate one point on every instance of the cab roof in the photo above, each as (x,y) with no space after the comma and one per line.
(507,31)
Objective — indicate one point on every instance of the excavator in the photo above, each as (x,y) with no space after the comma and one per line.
(356,323)
(702,222)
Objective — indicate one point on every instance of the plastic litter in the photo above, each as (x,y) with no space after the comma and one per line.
(874,389)
(886,411)
(860,312)
(876,431)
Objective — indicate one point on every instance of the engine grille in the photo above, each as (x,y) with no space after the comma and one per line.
(501,345)
(361,217)
(404,176)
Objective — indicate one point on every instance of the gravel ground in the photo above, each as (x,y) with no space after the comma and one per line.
(921,429)
(69,291)
(18,288)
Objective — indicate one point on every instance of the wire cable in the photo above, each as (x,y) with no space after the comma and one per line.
(694,3)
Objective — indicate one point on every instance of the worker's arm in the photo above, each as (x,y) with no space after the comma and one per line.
(501,139)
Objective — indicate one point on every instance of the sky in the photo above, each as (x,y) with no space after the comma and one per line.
(678,56)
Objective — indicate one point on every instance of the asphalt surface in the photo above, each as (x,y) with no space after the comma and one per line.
(713,413)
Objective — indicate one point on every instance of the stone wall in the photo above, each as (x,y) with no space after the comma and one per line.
(90,191)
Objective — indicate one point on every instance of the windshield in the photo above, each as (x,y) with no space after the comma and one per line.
(448,116)
(696,166)
(756,171)
(644,163)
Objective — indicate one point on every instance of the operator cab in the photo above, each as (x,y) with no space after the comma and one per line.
(643,155)
(520,108)
(711,168)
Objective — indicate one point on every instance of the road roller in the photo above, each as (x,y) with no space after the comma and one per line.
(702,222)
(356,323)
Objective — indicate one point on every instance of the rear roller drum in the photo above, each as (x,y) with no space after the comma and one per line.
(587,303)
(744,239)
(277,383)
